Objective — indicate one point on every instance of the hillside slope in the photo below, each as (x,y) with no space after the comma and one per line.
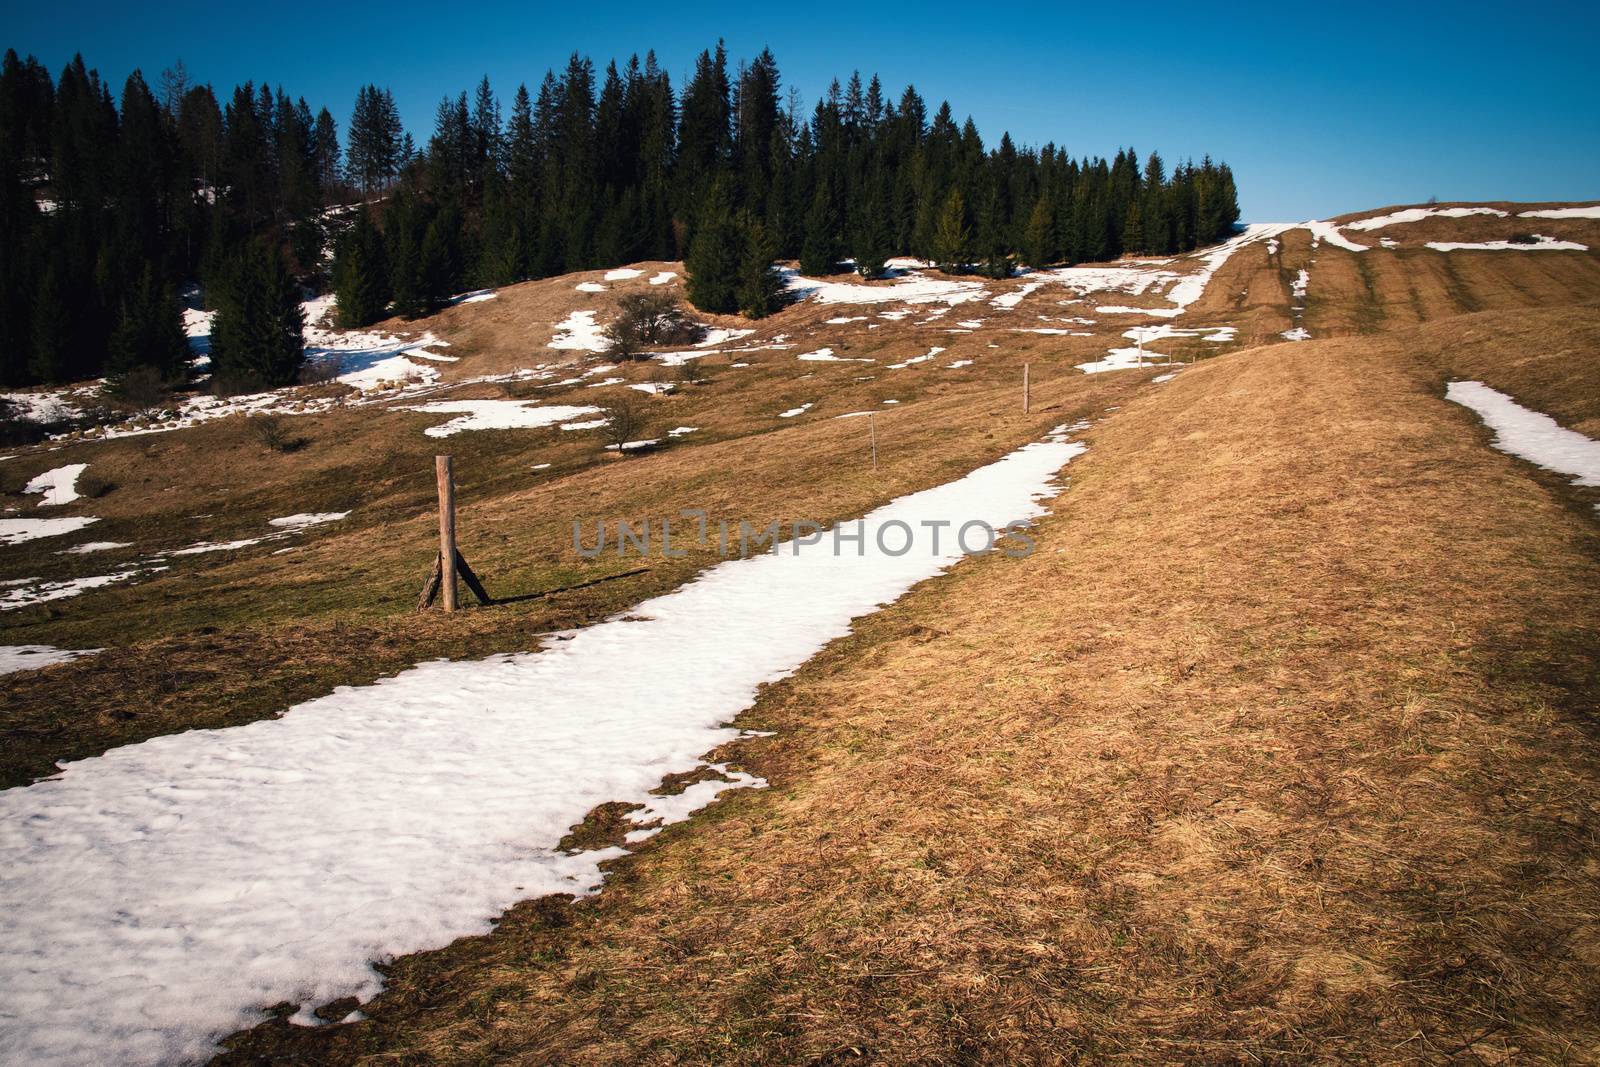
(1281,742)
(1280,746)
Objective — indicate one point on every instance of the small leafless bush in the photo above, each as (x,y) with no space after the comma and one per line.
(144,388)
(93,486)
(272,433)
(625,421)
(318,371)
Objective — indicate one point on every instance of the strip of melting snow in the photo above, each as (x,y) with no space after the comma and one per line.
(161,896)
(1530,435)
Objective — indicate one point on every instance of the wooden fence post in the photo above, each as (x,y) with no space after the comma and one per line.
(447,531)
(1026,383)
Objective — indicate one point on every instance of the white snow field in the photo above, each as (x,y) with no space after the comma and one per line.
(1329,232)
(1591,211)
(16,531)
(498,415)
(579,331)
(1417,214)
(1539,242)
(15,658)
(37,591)
(59,486)
(1530,435)
(164,894)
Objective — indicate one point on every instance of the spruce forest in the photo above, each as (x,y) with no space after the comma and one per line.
(116,211)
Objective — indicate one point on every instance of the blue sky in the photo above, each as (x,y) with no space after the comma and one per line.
(1320,109)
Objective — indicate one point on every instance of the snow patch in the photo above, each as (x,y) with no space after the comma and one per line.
(307,519)
(59,486)
(16,531)
(1330,232)
(497,415)
(1531,435)
(14,658)
(38,592)
(932,352)
(94,546)
(912,288)
(1539,242)
(1592,211)
(578,331)
(1417,214)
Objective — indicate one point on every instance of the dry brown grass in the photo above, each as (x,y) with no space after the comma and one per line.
(204,644)
(1278,749)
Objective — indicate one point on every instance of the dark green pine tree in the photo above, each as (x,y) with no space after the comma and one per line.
(441,259)
(820,252)
(873,244)
(53,329)
(1041,236)
(761,288)
(361,274)
(405,224)
(993,250)
(149,332)
(715,254)
(952,240)
(257,337)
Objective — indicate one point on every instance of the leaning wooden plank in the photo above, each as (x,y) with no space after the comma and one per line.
(430,588)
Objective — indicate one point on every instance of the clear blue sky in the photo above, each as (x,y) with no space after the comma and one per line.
(1319,108)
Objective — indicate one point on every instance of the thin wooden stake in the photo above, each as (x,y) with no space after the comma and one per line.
(1027,398)
(447,531)
(872,427)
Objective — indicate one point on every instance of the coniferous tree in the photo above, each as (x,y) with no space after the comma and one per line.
(52,328)
(952,240)
(1040,244)
(257,336)
(760,291)
(149,332)
(820,253)
(715,255)
(362,274)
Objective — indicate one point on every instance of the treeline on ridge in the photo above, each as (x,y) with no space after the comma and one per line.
(109,209)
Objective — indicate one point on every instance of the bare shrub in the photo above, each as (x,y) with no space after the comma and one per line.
(648,319)
(93,486)
(690,372)
(144,388)
(272,433)
(318,371)
(625,420)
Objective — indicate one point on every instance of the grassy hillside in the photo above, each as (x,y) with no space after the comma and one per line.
(1280,745)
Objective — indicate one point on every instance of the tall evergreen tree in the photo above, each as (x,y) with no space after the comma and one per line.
(149,332)
(257,336)
(715,255)
(361,274)
(952,239)
(760,291)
